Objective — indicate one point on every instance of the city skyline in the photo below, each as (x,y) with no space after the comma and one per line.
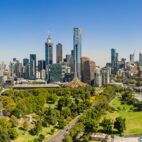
(25,26)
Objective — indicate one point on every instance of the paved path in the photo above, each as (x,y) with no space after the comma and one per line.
(2,91)
(60,136)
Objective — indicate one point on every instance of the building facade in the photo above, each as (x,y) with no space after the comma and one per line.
(49,51)
(140,59)
(77,49)
(26,68)
(59,53)
(32,66)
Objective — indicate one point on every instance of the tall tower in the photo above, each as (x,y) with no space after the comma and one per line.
(49,51)
(33,66)
(77,47)
(113,58)
(140,59)
(26,68)
(59,53)
(132,58)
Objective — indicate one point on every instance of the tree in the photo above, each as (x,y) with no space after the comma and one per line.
(13,121)
(66,112)
(61,103)
(91,125)
(51,98)
(8,104)
(38,126)
(25,126)
(16,112)
(67,138)
(13,133)
(50,114)
(120,124)
(4,136)
(61,123)
(107,125)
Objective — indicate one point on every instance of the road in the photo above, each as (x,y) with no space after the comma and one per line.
(60,136)
(2,91)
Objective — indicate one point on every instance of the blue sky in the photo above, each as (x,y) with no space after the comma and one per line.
(105,24)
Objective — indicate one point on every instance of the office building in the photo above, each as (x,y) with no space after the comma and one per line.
(105,76)
(77,49)
(140,59)
(41,69)
(132,58)
(59,53)
(26,68)
(114,57)
(87,70)
(98,77)
(49,51)
(32,66)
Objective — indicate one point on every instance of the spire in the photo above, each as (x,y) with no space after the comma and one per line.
(49,40)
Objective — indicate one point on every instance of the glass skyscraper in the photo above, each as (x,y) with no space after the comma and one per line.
(33,66)
(26,68)
(113,58)
(77,49)
(49,51)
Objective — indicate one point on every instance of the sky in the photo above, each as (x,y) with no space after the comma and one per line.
(105,24)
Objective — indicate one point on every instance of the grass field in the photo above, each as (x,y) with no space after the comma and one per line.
(26,137)
(133,119)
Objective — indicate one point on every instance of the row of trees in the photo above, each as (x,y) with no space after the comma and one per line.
(128,98)
(7,131)
(119,124)
(90,120)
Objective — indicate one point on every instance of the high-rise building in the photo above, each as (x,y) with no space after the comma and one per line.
(56,73)
(33,66)
(17,69)
(2,68)
(113,58)
(140,59)
(87,70)
(132,58)
(117,58)
(83,72)
(98,78)
(105,76)
(41,69)
(49,51)
(77,49)
(26,68)
(59,53)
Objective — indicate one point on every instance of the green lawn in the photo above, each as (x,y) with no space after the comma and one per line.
(26,137)
(133,119)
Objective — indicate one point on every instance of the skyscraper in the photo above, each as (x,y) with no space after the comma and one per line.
(98,77)
(77,51)
(26,68)
(59,53)
(49,51)
(132,58)
(140,59)
(87,70)
(113,58)
(41,69)
(33,66)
